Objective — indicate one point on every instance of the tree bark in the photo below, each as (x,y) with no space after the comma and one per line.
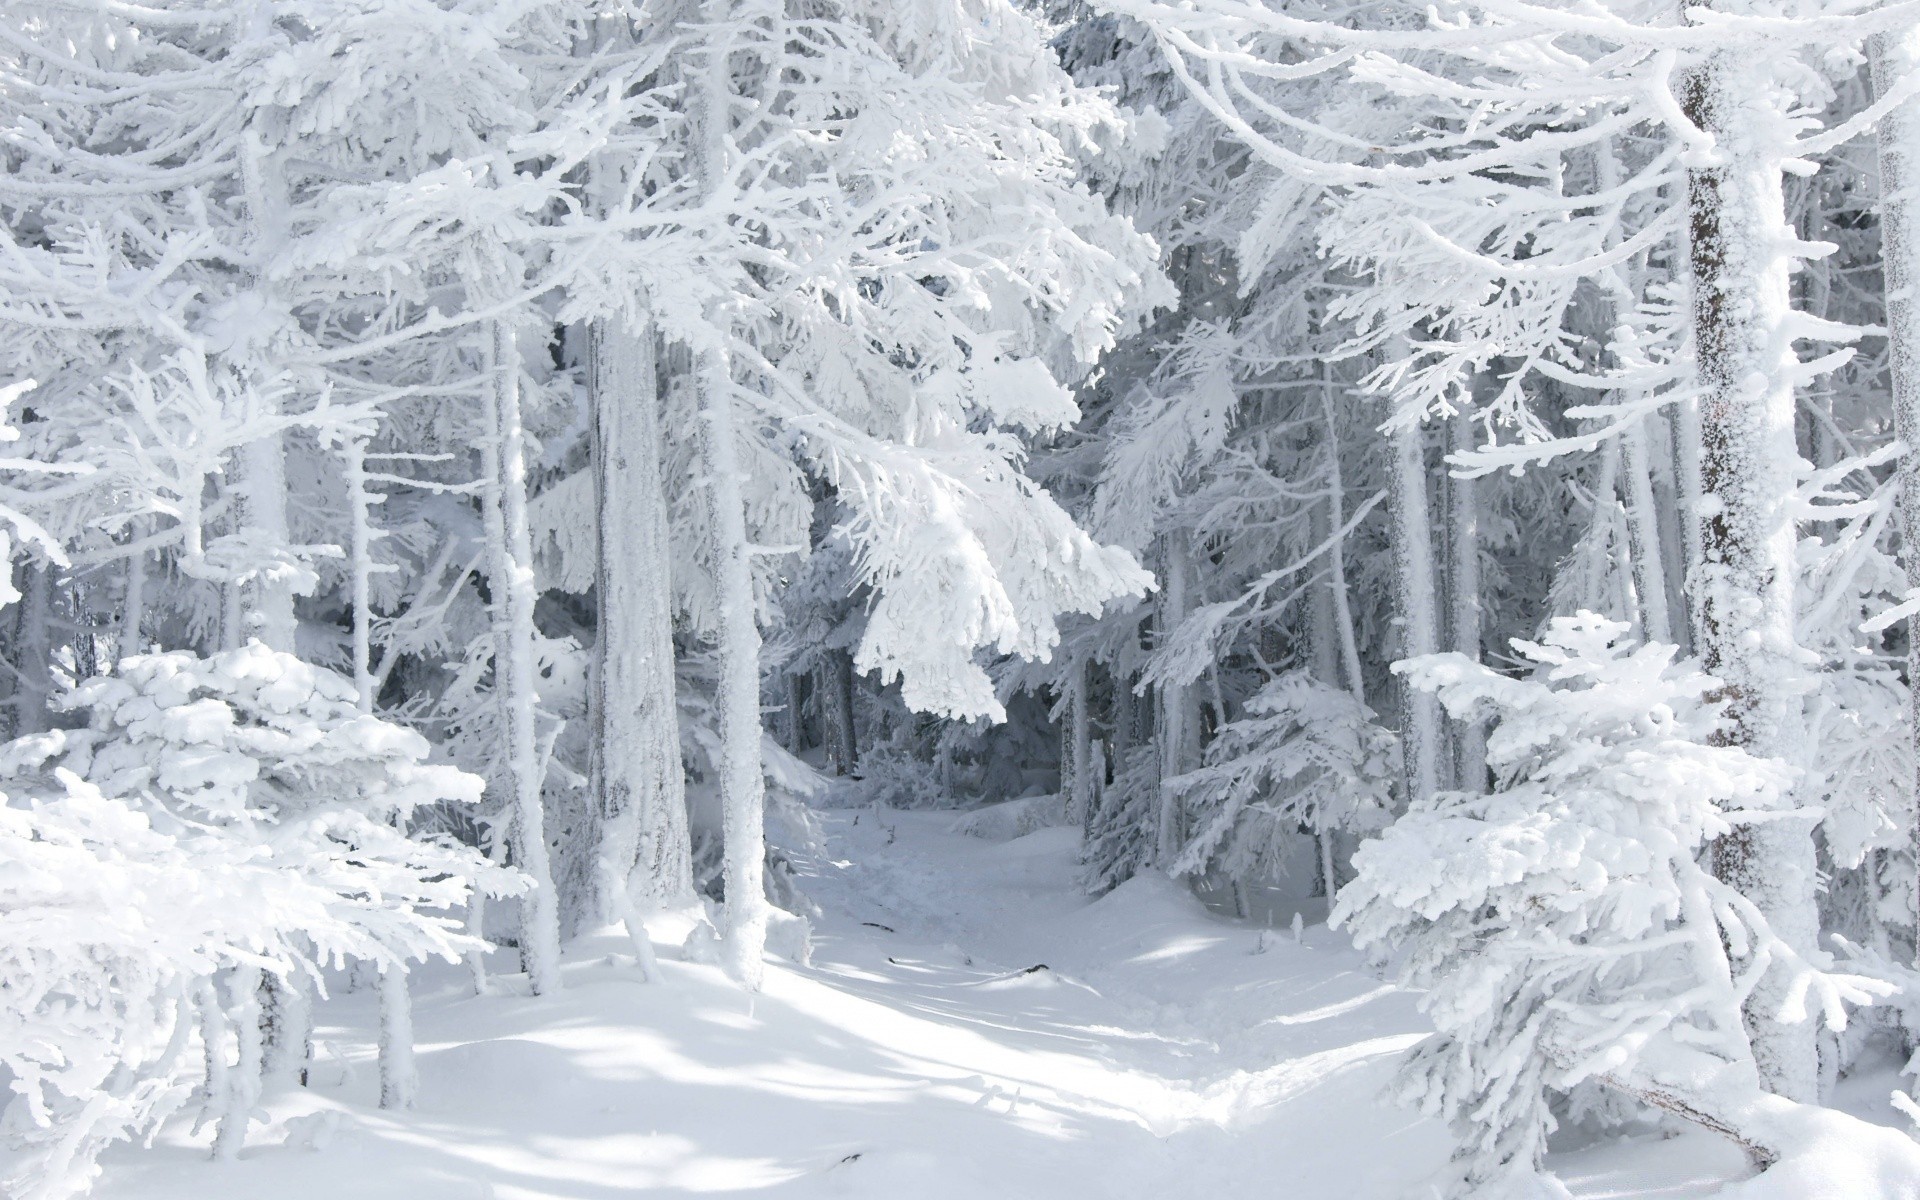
(1463,574)
(643,859)
(1895,56)
(1744,581)
(510,575)
(1420,733)
(742,778)
(1179,730)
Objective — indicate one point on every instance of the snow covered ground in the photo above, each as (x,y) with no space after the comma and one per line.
(1160,1051)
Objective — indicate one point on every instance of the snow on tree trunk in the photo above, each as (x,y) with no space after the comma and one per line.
(742,781)
(287,1005)
(1744,582)
(1080,745)
(237,1090)
(263,504)
(1643,530)
(396,1002)
(1463,574)
(1179,731)
(398,1080)
(1337,556)
(510,572)
(1895,56)
(133,605)
(1420,733)
(643,859)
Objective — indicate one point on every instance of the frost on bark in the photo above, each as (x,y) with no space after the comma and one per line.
(510,572)
(1420,733)
(263,503)
(742,781)
(1179,730)
(1895,56)
(1463,574)
(643,856)
(1744,581)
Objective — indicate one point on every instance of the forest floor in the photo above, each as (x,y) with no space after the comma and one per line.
(1161,1051)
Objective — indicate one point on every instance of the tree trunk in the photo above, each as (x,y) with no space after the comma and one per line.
(263,509)
(33,651)
(1179,731)
(1420,732)
(1643,529)
(834,681)
(742,778)
(1895,56)
(1463,545)
(133,606)
(1337,556)
(238,1086)
(1076,766)
(1744,582)
(510,575)
(643,859)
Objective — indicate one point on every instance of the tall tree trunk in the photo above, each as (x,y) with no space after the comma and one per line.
(1420,732)
(643,859)
(742,778)
(1337,556)
(398,1079)
(1463,574)
(1895,56)
(1744,582)
(834,684)
(510,576)
(1179,729)
(1076,766)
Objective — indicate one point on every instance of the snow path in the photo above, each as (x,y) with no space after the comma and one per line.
(1156,1055)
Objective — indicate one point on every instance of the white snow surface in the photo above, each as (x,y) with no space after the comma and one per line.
(1163,1051)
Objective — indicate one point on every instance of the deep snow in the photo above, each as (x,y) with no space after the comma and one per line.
(1164,1051)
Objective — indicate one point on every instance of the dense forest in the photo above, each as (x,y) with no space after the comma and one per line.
(498,488)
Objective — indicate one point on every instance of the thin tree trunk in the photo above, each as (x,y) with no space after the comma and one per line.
(397,1077)
(1745,579)
(644,858)
(1077,765)
(510,574)
(1470,739)
(1337,556)
(1643,529)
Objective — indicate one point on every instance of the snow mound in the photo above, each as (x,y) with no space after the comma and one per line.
(1010,819)
(1828,1155)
